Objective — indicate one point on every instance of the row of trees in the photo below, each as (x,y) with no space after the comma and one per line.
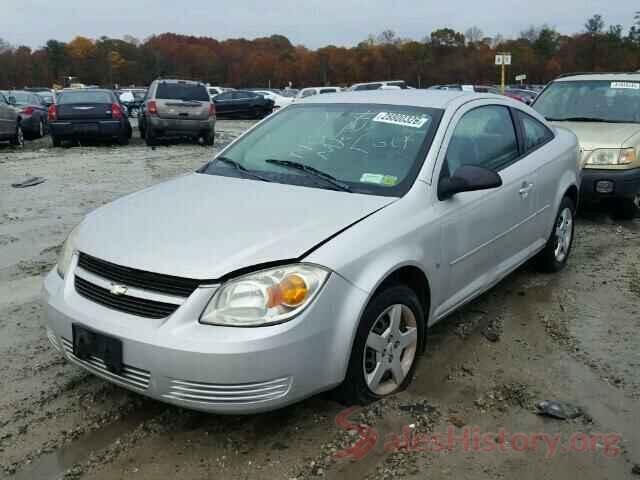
(445,56)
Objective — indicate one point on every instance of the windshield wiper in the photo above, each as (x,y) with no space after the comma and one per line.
(241,168)
(583,119)
(308,169)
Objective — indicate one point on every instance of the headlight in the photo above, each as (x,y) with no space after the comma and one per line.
(612,156)
(66,254)
(265,297)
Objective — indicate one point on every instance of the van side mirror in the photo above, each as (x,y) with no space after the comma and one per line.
(468,178)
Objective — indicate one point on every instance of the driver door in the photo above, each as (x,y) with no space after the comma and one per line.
(481,229)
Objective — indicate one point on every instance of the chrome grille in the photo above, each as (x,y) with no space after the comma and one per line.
(210,393)
(131,277)
(131,376)
(141,307)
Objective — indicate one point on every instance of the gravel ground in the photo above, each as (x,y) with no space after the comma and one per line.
(570,337)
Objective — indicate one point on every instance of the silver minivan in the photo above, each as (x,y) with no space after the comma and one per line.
(314,251)
(177,108)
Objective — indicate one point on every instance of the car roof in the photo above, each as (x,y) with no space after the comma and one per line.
(416,98)
(632,76)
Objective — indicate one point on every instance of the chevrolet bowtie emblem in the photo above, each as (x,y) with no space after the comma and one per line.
(118,289)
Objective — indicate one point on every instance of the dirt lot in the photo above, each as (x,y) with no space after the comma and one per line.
(571,337)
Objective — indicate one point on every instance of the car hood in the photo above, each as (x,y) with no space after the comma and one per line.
(593,135)
(206,226)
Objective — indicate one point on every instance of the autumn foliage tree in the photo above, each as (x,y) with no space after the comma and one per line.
(443,56)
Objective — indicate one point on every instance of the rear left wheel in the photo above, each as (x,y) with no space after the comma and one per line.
(556,252)
(385,350)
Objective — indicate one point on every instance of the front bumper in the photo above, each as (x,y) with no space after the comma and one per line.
(211,368)
(622,183)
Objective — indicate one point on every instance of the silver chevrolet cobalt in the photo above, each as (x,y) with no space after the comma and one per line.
(314,251)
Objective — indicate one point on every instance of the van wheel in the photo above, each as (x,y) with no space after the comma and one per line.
(384,354)
(150,138)
(556,252)
(209,138)
(627,208)
(18,138)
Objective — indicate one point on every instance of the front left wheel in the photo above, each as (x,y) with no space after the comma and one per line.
(18,138)
(385,350)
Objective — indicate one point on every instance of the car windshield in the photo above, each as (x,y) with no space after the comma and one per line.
(600,100)
(182,91)
(375,149)
(84,97)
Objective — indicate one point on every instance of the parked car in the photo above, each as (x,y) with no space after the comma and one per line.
(49,98)
(177,108)
(279,101)
(526,96)
(132,98)
(243,103)
(214,91)
(10,128)
(377,85)
(88,114)
(289,92)
(603,110)
(310,91)
(315,251)
(32,112)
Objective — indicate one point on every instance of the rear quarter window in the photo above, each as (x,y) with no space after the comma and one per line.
(182,91)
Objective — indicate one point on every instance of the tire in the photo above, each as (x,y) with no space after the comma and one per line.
(209,138)
(555,254)
(627,208)
(360,386)
(123,139)
(56,141)
(150,138)
(41,129)
(18,138)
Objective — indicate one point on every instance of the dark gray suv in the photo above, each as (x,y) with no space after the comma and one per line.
(177,108)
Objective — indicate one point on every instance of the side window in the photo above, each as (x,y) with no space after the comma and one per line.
(485,137)
(2,99)
(534,132)
(308,93)
(240,95)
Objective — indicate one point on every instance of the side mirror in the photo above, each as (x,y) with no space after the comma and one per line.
(468,178)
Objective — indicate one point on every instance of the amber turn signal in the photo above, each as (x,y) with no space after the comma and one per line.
(290,292)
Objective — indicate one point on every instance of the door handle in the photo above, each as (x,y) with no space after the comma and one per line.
(525,189)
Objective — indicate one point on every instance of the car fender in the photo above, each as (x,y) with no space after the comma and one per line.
(571,175)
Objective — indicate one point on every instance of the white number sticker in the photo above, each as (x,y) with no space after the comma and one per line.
(631,85)
(402,119)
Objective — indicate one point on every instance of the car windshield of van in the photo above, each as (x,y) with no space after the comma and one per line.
(364,148)
(591,100)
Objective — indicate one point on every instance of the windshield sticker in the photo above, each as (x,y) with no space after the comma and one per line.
(379,179)
(372,178)
(402,119)
(631,85)
(389,180)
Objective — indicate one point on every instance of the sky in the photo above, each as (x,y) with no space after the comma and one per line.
(313,23)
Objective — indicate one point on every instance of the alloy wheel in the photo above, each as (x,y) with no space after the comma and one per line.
(564,234)
(390,349)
